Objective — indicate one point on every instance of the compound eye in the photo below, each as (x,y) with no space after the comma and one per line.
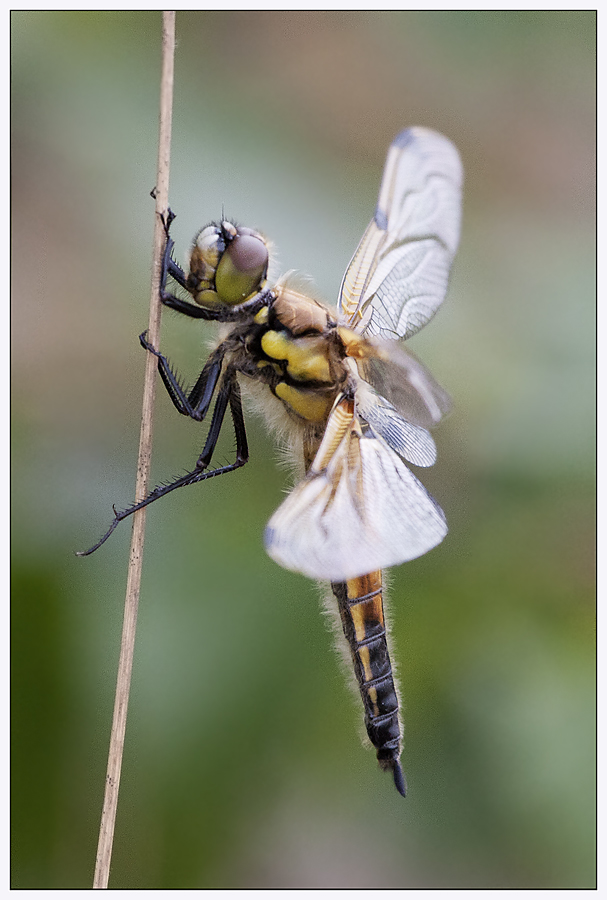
(208,247)
(242,269)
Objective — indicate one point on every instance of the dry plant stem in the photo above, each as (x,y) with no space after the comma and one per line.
(125,665)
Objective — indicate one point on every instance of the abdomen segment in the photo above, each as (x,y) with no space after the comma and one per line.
(362,615)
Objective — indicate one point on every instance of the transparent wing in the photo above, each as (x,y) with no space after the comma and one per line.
(362,511)
(412,442)
(399,377)
(398,276)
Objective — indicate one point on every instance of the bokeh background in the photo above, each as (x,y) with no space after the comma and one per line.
(243,765)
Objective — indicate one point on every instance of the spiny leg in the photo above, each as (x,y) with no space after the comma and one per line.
(172,269)
(228,394)
(195,403)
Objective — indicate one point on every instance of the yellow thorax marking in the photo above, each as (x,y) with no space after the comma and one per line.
(312,406)
(306,357)
(261,317)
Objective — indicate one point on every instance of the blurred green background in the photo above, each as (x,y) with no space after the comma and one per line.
(243,765)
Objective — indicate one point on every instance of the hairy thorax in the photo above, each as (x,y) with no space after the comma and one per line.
(293,347)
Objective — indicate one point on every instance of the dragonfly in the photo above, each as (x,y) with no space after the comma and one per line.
(341,392)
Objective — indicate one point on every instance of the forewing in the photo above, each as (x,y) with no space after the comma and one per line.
(398,276)
(364,511)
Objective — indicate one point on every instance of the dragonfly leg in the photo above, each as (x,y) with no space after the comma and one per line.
(229,394)
(169,266)
(172,269)
(195,403)
(187,309)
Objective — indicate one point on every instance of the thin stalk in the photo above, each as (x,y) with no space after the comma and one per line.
(125,665)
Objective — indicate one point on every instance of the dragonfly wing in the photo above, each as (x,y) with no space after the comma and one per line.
(412,442)
(406,383)
(398,276)
(364,511)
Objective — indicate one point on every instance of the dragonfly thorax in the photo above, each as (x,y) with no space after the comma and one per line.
(293,346)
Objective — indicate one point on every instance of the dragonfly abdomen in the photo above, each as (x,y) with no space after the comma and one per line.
(361,609)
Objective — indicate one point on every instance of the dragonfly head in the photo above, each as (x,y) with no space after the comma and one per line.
(228,265)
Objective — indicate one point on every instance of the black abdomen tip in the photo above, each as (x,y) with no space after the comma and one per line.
(399,778)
